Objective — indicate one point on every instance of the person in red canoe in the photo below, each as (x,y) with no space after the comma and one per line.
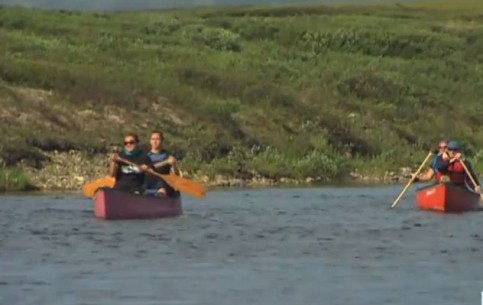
(451,165)
(432,171)
(164,163)
(130,178)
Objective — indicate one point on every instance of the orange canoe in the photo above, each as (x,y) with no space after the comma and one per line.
(113,204)
(447,198)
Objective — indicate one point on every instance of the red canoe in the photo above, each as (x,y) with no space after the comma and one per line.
(112,204)
(447,198)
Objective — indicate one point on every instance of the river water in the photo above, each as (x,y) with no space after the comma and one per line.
(280,246)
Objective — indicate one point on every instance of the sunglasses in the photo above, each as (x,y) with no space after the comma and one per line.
(441,147)
(129,142)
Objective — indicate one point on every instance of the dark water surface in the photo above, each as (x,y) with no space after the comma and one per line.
(296,246)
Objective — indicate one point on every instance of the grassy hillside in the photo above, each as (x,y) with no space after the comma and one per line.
(163,4)
(277,92)
(462,5)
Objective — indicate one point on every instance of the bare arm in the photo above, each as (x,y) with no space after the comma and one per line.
(174,168)
(114,166)
(428,175)
(113,170)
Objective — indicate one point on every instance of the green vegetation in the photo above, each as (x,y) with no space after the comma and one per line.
(277,92)
(450,4)
(13,180)
(163,4)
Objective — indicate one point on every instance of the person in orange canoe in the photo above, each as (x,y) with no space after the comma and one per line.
(130,178)
(164,163)
(451,165)
(432,171)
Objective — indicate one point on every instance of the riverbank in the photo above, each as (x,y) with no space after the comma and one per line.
(69,171)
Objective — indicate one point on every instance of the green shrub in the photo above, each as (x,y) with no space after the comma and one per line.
(216,38)
(13,179)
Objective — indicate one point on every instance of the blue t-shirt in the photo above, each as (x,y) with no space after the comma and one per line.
(434,163)
(160,157)
(154,183)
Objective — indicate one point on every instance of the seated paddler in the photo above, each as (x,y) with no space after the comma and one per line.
(453,166)
(129,166)
(432,172)
(163,163)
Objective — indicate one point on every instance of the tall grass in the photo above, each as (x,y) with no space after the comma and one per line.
(13,179)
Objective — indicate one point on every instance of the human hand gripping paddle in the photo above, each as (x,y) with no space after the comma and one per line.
(187,186)
(411,180)
(90,189)
(472,181)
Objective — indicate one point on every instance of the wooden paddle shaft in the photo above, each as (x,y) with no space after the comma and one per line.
(412,179)
(468,173)
(472,180)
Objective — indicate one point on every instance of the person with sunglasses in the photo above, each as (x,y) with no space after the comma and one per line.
(432,171)
(130,178)
(164,163)
(451,165)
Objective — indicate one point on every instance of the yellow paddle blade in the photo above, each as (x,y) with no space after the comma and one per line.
(91,188)
(184,185)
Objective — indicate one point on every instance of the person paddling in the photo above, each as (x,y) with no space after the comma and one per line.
(164,163)
(451,165)
(432,172)
(130,178)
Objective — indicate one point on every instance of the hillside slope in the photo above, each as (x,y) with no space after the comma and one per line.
(274,92)
(116,5)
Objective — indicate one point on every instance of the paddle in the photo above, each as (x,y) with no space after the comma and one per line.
(91,188)
(411,180)
(187,186)
(472,179)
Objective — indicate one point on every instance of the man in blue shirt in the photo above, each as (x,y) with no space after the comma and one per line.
(433,170)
